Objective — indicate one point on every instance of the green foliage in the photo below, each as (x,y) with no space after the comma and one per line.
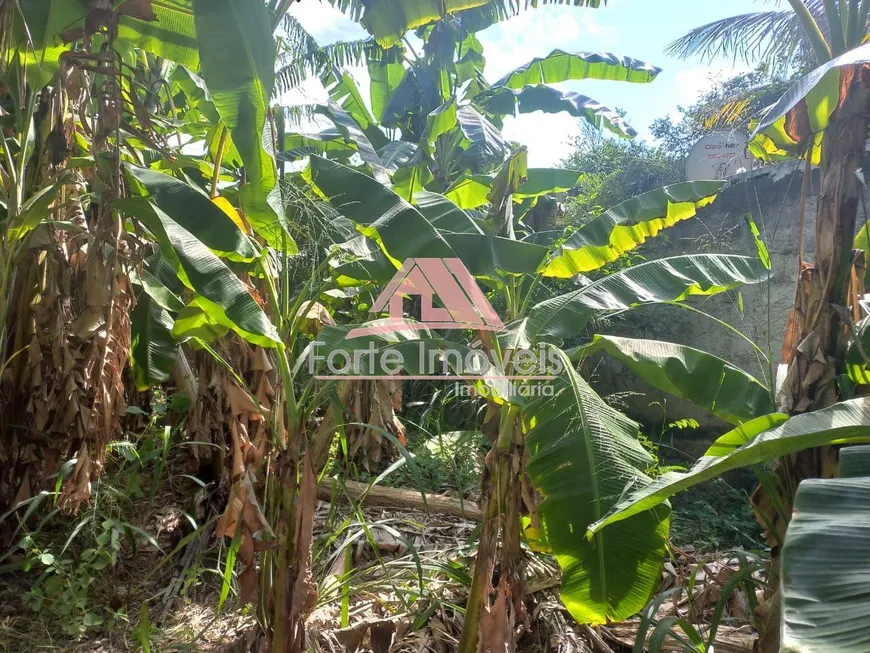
(615,171)
(583,454)
(61,593)
(825,552)
(758,441)
(703,379)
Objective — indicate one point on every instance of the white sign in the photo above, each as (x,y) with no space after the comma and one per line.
(719,156)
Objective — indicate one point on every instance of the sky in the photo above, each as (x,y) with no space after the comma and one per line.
(640,29)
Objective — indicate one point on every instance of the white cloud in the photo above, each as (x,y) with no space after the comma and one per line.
(532,34)
(325,23)
(547,136)
(692,83)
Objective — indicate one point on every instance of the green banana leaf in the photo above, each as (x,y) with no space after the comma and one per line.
(505,101)
(344,91)
(221,294)
(330,143)
(238,64)
(542,181)
(398,154)
(862,243)
(441,120)
(193,209)
(478,19)
(472,191)
(172,36)
(801,116)
(196,92)
(348,126)
(825,565)
(487,256)
(444,215)
(706,380)
(857,367)
(628,225)
(399,229)
(385,75)
(584,455)
(193,322)
(561,66)
(855,462)
(155,288)
(152,349)
(484,141)
(411,180)
(388,20)
(664,280)
(849,420)
(419,93)
(34,210)
(38,45)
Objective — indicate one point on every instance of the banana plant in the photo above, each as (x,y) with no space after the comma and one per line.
(823,557)
(602,580)
(388,21)
(446,116)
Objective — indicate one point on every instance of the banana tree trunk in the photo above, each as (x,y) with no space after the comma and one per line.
(821,307)
(491,625)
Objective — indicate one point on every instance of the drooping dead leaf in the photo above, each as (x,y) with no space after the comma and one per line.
(313,316)
(495,633)
(241,403)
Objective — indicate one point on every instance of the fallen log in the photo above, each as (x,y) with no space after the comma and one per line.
(391,497)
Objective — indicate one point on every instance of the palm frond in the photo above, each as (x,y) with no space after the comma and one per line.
(301,56)
(763,36)
(772,37)
(354,9)
(299,115)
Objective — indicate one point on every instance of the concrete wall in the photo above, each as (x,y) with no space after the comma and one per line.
(773,200)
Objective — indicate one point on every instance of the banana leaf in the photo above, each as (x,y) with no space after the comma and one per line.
(800,117)
(664,280)
(843,422)
(504,101)
(583,457)
(398,228)
(220,293)
(825,565)
(238,64)
(171,36)
(196,212)
(472,191)
(330,143)
(385,75)
(561,66)
(388,20)
(153,349)
(706,380)
(629,224)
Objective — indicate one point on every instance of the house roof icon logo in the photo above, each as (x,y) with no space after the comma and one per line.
(464,304)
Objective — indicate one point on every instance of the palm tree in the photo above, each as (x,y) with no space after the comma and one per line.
(780,37)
